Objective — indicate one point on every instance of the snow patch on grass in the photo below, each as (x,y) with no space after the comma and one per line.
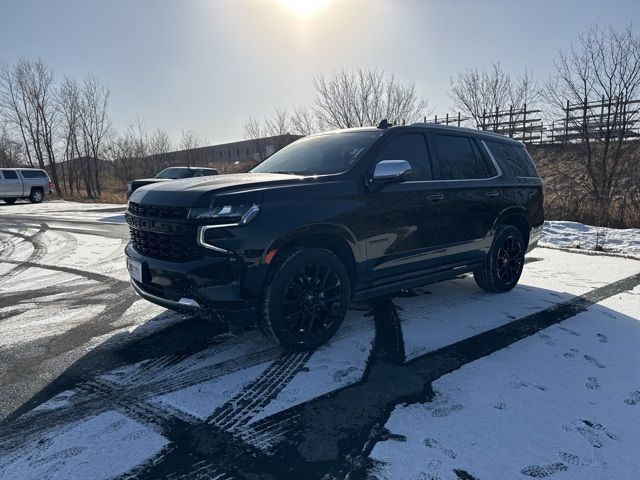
(577,235)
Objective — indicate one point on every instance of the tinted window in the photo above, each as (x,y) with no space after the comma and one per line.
(413,149)
(319,154)
(9,174)
(513,158)
(33,174)
(460,158)
(174,173)
(210,171)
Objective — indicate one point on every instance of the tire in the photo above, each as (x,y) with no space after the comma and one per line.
(305,298)
(10,201)
(37,195)
(503,264)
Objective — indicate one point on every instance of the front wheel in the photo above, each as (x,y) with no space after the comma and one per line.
(305,298)
(503,264)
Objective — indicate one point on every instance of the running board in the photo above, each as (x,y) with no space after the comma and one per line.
(371,291)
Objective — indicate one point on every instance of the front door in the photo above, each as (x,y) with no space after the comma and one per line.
(10,184)
(402,216)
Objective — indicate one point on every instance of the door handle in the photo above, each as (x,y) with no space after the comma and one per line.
(435,197)
(492,194)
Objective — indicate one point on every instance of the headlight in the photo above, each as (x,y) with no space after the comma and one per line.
(227,214)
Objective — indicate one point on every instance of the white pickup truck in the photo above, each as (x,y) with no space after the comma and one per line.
(31,183)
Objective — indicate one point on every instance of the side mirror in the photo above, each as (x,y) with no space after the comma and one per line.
(391,170)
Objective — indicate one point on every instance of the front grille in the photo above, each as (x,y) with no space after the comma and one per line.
(157,211)
(173,247)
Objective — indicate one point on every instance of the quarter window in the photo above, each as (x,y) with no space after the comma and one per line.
(412,148)
(514,158)
(460,159)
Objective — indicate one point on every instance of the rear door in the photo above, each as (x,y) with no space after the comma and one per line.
(402,216)
(473,193)
(10,184)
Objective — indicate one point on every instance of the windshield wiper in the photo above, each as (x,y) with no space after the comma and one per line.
(287,172)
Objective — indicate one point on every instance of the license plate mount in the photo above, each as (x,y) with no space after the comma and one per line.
(135,269)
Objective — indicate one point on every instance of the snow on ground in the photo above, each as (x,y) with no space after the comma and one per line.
(225,369)
(104,446)
(578,235)
(65,210)
(442,315)
(564,403)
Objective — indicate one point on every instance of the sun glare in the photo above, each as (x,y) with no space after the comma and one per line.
(304,8)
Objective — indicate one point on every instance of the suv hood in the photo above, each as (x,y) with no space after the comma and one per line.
(198,191)
(146,181)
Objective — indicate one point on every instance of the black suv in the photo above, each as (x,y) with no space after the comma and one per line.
(331,218)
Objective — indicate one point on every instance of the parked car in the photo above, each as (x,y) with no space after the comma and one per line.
(171,173)
(335,217)
(31,183)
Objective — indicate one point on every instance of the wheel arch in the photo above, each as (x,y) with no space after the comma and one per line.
(517,217)
(334,238)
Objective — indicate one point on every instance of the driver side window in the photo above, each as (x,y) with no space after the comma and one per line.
(412,148)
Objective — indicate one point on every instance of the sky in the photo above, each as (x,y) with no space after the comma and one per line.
(208,65)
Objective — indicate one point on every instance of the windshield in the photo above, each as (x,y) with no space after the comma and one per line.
(319,154)
(174,172)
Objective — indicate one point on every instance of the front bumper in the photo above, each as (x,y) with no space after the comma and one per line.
(204,287)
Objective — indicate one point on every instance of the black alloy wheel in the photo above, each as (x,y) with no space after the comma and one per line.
(502,266)
(312,301)
(509,260)
(305,299)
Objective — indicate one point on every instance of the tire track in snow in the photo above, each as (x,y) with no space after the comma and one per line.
(238,411)
(39,251)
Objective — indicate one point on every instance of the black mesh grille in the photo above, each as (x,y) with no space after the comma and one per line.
(176,247)
(157,211)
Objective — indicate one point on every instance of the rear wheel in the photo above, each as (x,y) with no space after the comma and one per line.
(10,201)
(305,298)
(503,264)
(36,195)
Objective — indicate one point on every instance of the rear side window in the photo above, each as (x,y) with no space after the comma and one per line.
(412,148)
(33,173)
(513,158)
(9,174)
(210,171)
(460,159)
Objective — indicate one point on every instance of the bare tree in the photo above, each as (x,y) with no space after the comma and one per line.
(601,73)
(278,123)
(69,107)
(477,93)
(304,121)
(190,143)
(252,129)
(95,123)
(345,99)
(363,97)
(27,95)
(11,150)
